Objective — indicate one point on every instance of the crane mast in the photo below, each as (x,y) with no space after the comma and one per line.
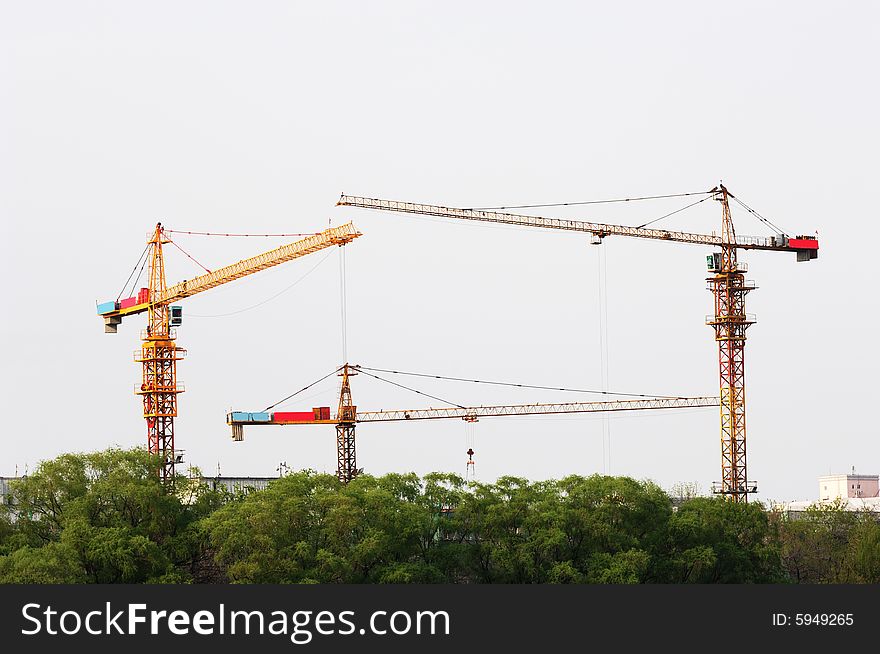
(346,460)
(159,355)
(730,322)
(728,285)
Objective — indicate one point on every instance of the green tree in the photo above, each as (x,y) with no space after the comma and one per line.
(6,528)
(714,540)
(829,544)
(864,558)
(103,517)
(493,522)
(594,529)
(275,535)
(52,563)
(310,528)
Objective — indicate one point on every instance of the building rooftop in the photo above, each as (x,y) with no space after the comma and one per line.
(849,475)
(847,503)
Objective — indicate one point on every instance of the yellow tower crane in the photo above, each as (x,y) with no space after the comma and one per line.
(159,352)
(727,283)
(347,415)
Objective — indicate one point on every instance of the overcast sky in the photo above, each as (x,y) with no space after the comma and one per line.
(254,116)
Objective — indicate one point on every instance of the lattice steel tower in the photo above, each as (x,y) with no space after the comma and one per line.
(346,463)
(159,356)
(730,321)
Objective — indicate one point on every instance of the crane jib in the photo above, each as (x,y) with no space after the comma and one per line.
(779,242)
(321,415)
(333,236)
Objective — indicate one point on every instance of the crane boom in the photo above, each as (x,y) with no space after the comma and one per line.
(465,413)
(333,236)
(779,243)
(538,409)
(347,416)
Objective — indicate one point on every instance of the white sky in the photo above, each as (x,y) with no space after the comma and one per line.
(234,116)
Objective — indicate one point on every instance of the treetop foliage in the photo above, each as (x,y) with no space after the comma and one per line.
(104,517)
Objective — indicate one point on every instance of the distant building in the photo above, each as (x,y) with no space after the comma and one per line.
(853,492)
(238,484)
(832,487)
(6,492)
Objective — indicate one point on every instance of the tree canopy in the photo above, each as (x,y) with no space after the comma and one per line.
(104,517)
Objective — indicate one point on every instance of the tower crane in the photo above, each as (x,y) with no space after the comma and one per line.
(159,352)
(347,416)
(727,283)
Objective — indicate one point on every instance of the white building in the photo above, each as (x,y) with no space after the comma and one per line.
(853,492)
(4,488)
(238,484)
(832,487)
(6,494)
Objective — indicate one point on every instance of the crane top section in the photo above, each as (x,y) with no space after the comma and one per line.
(147,297)
(806,247)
